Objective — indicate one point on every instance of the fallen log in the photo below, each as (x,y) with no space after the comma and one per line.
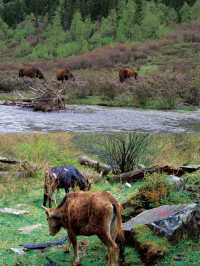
(34,246)
(9,161)
(101,168)
(140,173)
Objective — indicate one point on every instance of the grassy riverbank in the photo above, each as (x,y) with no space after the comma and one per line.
(169,74)
(59,148)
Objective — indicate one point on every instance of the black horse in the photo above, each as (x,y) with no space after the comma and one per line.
(62,177)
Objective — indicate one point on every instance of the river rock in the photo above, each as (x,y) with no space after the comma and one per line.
(19,251)
(173,221)
(29,229)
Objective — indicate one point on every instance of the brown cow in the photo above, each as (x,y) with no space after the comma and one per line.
(89,213)
(31,72)
(64,74)
(126,73)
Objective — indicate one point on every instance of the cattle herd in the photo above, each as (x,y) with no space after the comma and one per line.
(65,74)
(84,212)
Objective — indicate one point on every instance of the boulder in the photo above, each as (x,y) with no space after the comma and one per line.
(172,221)
(176,181)
(19,251)
(190,168)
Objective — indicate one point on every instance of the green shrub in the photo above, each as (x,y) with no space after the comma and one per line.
(155,189)
(41,51)
(125,151)
(24,49)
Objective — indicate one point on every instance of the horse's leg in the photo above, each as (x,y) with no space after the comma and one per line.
(55,198)
(45,200)
(66,189)
(49,198)
(73,240)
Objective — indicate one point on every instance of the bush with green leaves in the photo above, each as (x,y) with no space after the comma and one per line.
(24,49)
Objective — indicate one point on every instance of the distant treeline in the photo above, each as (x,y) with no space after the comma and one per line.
(60,28)
(15,11)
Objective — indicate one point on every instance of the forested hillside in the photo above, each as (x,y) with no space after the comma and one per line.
(60,28)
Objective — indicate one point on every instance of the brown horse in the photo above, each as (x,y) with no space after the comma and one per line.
(126,73)
(89,213)
(64,74)
(31,72)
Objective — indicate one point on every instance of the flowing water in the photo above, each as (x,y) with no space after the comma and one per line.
(95,118)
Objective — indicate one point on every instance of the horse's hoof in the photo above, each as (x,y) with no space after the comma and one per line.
(76,262)
(66,248)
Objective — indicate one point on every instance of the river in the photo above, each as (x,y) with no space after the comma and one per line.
(95,118)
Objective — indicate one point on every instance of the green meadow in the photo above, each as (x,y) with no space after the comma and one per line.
(64,148)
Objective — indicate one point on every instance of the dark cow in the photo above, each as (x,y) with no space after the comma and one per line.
(64,74)
(89,213)
(31,72)
(62,177)
(126,73)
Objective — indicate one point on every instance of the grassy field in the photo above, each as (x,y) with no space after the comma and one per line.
(64,148)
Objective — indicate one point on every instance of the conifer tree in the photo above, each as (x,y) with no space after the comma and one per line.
(195,10)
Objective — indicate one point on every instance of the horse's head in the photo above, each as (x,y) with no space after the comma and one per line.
(84,184)
(51,182)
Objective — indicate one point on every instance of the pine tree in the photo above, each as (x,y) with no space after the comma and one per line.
(139,11)
(152,21)
(77,27)
(186,13)
(67,10)
(195,10)
(108,28)
(125,29)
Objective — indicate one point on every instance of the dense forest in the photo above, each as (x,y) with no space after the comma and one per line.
(57,28)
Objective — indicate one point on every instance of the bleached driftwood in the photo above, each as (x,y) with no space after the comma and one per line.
(12,211)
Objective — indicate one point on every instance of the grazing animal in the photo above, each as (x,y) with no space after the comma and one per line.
(62,177)
(31,72)
(64,74)
(126,73)
(89,213)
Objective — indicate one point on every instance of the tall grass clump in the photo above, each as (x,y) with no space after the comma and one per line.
(124,152)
